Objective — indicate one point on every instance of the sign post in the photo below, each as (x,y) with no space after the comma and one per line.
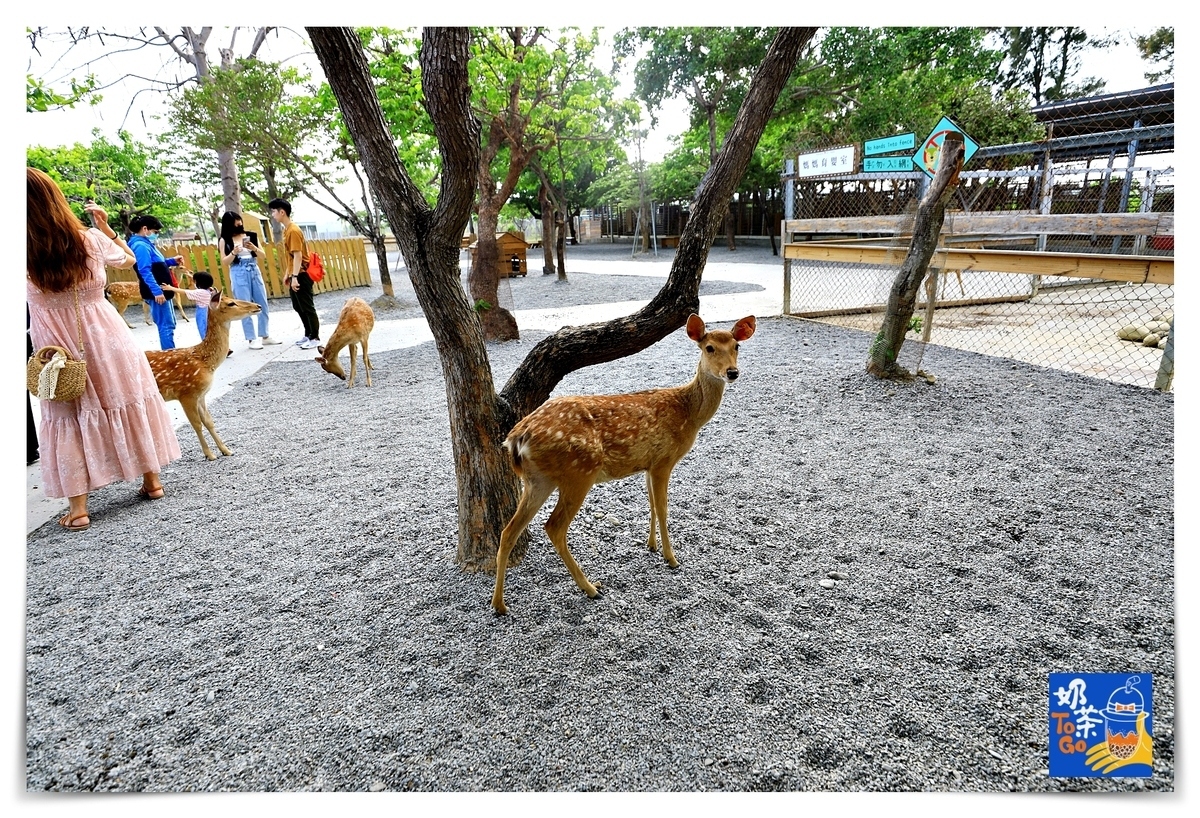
(927,157)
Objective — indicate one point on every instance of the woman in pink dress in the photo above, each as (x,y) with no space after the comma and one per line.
(120,428)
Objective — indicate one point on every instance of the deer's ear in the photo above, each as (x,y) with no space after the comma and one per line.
(695,327)
(216,298)
(319,359)
(745,328)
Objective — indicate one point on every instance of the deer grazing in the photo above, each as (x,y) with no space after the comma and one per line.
(185,374)
(123,293)
(355,323)
(572,443)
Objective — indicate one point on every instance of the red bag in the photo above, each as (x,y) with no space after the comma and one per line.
(315,269)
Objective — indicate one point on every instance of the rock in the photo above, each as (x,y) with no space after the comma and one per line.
(1150,340)
(378,786)
(1160,327)
(837,575)
(828,584)
(1162,343)
(1129,333)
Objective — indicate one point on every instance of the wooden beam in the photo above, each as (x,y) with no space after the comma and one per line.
(1137,269)
(958,224)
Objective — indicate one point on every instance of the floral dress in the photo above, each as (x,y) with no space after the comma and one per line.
(120,427)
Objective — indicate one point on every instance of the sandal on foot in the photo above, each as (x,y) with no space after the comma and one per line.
(72,523)
(156,494)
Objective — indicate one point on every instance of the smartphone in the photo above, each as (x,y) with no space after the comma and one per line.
(91,219)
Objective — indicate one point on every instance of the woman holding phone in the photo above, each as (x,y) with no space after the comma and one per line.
(239,252)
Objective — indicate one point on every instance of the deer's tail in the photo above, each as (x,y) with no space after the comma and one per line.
(516,449)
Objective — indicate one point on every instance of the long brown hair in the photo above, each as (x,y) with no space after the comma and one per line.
(56,252)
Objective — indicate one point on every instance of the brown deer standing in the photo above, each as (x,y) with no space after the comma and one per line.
(355,323)
(123,293)
(572,443)
(186,374)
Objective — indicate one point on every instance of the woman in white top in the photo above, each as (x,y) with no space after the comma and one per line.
(239,252)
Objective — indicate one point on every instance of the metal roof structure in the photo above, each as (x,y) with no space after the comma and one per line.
(1094,127)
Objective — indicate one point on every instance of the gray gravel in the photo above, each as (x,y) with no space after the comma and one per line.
(292,618)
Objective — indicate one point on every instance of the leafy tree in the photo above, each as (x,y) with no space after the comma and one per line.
(126,178)
(1158,47)
(480,417)
(1044,62)
(188,45)
(710,67)
(41,97)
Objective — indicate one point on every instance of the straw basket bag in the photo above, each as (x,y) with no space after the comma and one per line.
(51,374)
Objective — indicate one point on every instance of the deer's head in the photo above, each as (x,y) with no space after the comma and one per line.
(330,364)
(719,348)
(224,309)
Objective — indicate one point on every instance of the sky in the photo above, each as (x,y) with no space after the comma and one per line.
(140,113)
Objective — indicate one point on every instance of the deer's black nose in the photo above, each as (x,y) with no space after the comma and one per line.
(731,373)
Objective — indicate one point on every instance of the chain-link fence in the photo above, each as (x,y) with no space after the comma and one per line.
(1106,317)
(1058,252)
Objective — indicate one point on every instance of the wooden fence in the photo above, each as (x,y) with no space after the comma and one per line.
(345,265)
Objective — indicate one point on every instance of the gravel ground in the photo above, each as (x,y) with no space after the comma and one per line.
(292,618)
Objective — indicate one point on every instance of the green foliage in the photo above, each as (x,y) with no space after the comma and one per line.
(481,305)
(915,323)
(41,97)
(126,178)
(1158,47)
(1044,61)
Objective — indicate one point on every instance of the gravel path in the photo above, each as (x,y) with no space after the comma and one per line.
(291,618)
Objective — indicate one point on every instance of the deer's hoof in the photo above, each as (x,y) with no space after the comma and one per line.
(674,563)
(597,592)
(499,608)
(209,456)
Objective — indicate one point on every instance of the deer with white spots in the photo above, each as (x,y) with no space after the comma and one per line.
(186,374)
(572,443)
(355,322)
(123,293)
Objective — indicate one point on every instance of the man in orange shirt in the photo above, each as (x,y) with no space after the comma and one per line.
(296,279)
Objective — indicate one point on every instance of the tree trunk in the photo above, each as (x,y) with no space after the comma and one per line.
(729,226)
(484,279)
(547,231)
(479,419)
(379,243)
(931,213)
(430,243)
(560,242)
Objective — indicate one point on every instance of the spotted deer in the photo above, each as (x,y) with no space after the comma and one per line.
(123,293)
(355,323)
(185,374)
(572,443)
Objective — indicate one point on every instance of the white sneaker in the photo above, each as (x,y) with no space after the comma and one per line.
(255,343)
(302,341)
(310,343)
(269,341)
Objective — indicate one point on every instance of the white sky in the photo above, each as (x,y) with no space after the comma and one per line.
(1120,66)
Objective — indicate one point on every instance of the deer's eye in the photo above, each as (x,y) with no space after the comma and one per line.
(709,348)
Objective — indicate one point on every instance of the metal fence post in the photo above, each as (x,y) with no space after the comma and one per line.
(789,212)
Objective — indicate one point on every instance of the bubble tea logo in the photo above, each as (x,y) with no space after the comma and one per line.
(1101,725)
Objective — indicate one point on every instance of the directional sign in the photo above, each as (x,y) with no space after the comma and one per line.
(888,164)
(927,157)
(889,144)
(823,163)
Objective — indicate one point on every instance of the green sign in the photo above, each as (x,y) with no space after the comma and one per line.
(889,144)
(927,157)
(888,164)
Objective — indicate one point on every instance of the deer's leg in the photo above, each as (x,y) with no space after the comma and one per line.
(366,362)
(192,410)
(146,313)
(533,496)
(353,355)
(651,542)
(570,500)
(178,302)
(658,479)
(212,429)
